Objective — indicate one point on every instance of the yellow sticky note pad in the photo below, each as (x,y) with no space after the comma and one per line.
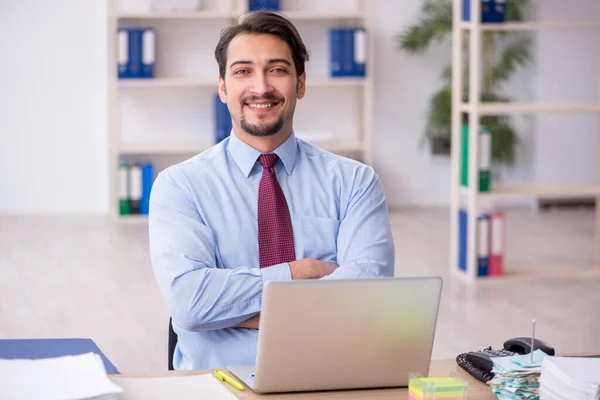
(446,388)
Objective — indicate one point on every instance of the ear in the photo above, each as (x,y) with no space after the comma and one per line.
(222,90)
(301,86)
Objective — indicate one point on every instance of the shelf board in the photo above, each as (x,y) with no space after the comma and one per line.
(167,83)
(540,191)
(489,108)
(338,146)
(534,26)
(166,15)
(205,15)
(212,83)
(316,15)
(168,148)
(164,148)
(132,219)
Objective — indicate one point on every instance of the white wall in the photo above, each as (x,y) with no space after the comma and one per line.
(566,145)
(53,144)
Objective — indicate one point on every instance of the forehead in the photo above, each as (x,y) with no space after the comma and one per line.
(257,48)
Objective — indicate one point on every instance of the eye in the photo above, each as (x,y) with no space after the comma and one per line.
(279,70)
(241,72)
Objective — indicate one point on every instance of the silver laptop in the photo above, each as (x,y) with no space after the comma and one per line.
(343,334)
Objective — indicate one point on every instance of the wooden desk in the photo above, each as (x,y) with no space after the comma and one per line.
(477,390)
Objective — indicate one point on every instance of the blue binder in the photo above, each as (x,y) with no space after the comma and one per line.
(335,51)
(462,240)
(122,53)
(148,52)
(483,244)
(359,52)
(272,5)
(147,181)
(492,11)
(135,53)
(222,120)
(348,65)
(50,348)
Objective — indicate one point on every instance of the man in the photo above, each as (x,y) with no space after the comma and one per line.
(259,206)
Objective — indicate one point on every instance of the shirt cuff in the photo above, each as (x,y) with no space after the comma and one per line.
(278,272)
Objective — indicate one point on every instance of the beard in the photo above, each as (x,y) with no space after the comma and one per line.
(262,130)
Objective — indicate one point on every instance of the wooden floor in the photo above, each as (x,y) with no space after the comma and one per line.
(91,277)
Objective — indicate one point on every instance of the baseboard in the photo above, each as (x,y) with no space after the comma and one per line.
(547,204)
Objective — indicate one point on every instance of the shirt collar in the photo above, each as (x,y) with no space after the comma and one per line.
(245,156)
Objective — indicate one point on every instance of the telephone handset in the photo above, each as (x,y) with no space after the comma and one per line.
(479,363)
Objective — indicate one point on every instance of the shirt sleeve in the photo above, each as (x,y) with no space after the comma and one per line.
(199,295)
(365,242)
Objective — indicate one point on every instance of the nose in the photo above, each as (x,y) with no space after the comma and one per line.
(260,85)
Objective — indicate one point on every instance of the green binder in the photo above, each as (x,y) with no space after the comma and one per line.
(484,153)
(124,195)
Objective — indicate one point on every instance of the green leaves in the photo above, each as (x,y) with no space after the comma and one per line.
(504,54)
(514,55)
(434,25)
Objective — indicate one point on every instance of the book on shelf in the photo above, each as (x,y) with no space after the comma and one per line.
(484,151)
(348,52)
(490,243)
(136,52)
(222,119)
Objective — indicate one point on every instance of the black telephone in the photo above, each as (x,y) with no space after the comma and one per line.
(479,363)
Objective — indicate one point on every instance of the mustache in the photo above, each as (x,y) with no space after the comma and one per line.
(267,96)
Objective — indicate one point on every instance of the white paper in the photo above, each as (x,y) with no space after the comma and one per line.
(192,387)
(68,377)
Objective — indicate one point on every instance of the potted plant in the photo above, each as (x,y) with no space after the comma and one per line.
(502,55)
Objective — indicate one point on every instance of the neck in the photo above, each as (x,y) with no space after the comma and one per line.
(264,144)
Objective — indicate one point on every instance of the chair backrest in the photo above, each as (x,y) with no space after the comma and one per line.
(172,344)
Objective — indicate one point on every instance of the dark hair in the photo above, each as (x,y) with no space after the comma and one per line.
(263,23)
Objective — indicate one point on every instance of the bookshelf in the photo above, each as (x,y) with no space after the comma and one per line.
(470,198)
(155,119)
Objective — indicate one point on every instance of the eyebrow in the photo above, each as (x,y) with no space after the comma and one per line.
(269,61)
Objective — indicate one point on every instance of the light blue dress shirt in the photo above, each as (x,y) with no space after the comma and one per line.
(204,238)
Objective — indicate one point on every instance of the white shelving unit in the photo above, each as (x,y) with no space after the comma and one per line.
(476,109)
(199,87)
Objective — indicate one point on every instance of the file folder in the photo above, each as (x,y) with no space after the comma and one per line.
(49,348)
(148,52)
(497,243)
(122,53)
(135,185)
(483,243)
(124,196)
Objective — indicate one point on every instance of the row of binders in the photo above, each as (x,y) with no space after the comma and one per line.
(135,183)
(136,48)
(490,242)
(136,52)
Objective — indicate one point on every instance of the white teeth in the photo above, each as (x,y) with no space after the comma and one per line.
(260,105)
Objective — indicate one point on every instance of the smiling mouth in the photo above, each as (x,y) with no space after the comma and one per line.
(262,106)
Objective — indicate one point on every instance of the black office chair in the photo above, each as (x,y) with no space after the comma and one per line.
(172,344)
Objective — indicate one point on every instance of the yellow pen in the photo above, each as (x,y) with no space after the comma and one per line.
(224,377)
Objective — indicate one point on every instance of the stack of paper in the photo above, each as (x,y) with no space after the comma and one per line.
(517,377)
(69,377)
(570,378)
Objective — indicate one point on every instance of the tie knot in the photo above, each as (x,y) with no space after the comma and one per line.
(268,160)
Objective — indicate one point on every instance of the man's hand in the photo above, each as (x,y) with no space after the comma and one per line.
(310,268)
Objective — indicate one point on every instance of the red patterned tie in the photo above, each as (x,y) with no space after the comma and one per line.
(275,236)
